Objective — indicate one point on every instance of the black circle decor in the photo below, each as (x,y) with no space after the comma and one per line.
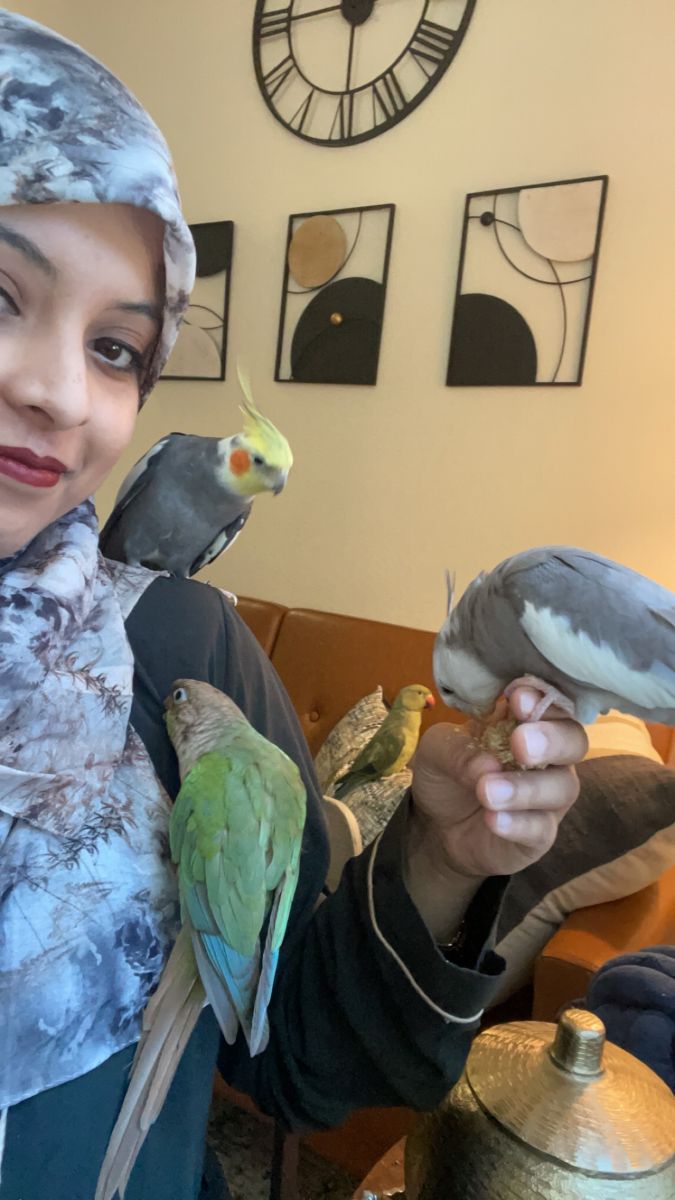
(337,338)
(307,57)
(491,344)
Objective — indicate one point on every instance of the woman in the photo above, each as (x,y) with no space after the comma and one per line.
(386,979)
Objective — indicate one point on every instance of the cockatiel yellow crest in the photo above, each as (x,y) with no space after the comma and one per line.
(189,497)
(267,449)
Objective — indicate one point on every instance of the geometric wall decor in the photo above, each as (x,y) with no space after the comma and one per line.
(201,347)
(525,284)
(332,306)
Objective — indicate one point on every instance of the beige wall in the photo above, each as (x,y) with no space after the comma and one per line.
(394,483)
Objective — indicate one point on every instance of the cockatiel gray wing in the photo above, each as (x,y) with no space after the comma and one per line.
(222,541)
(132,486)
(171,512)
(602,625)
(600,634)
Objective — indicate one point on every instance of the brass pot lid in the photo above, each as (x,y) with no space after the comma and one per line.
(569,1094)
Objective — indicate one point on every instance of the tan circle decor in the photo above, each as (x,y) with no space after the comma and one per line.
(318,249)
(561,221)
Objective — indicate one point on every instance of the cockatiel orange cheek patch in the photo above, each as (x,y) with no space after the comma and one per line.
(240,461)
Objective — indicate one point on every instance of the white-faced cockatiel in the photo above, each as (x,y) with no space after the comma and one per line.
(393,745)
(236,835)
(591,634)
(189,497)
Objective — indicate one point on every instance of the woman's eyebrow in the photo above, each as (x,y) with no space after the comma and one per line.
(145,307)
(29,250)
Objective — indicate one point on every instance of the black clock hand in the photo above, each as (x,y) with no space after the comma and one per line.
(352,35)
(315,12)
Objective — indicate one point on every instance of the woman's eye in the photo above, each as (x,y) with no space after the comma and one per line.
(119,355)
(7,305)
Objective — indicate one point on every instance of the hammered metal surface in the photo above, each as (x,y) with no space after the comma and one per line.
(460,1153)
(619,1122)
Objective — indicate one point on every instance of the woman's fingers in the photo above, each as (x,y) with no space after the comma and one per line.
(533,830)
(549,743)
(552,791)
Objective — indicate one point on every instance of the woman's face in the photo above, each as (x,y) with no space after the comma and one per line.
(80,311)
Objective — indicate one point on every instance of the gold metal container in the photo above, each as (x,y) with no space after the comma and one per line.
(547,1113)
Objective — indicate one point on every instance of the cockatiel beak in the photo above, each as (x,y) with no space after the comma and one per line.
(283,479)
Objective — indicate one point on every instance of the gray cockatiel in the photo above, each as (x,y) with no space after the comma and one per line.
(590,633)
(189,497)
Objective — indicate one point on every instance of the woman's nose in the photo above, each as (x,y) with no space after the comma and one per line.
(48,375)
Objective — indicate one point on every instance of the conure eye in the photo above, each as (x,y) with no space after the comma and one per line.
(180,695)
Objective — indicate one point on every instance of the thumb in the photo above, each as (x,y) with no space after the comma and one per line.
(449,753)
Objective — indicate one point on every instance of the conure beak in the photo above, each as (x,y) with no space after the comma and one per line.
(429,701)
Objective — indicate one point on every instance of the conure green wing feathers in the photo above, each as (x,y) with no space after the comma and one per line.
(235,835)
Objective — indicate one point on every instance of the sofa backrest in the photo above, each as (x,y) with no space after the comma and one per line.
(328,661)
(263,619)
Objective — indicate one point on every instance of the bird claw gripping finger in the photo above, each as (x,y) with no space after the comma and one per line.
(550,697)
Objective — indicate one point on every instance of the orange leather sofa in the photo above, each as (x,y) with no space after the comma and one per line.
(327,661)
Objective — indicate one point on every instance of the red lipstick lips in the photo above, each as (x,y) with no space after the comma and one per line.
(23,465)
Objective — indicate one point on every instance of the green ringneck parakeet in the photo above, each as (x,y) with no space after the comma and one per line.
(391,748)
(236,835)
(189,497)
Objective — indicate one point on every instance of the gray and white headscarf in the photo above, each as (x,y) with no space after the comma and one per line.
(70,131)
(88,906)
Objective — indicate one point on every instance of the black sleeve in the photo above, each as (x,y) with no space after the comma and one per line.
(366,1009)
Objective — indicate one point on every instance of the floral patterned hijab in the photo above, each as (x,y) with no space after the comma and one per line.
(72,132)
(87,897)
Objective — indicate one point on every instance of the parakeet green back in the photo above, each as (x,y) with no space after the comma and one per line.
(236,834)
(394,743)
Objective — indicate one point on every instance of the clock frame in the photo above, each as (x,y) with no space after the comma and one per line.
(329,116)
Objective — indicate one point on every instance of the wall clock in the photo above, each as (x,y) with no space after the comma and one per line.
(337,72)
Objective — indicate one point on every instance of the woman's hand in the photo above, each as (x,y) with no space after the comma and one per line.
(472,818)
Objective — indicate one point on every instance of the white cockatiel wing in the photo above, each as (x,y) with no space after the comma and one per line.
(602,624)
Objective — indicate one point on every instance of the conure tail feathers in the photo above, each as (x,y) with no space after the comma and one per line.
(235,836)
(168,1021)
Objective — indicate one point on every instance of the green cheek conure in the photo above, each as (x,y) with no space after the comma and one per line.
(236,835)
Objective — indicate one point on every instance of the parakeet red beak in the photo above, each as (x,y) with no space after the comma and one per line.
(429,701)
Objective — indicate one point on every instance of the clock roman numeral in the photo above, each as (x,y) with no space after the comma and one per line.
(430,45)
(301,113)
(388,97)
(274,23)
(276,76)
(343,121)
